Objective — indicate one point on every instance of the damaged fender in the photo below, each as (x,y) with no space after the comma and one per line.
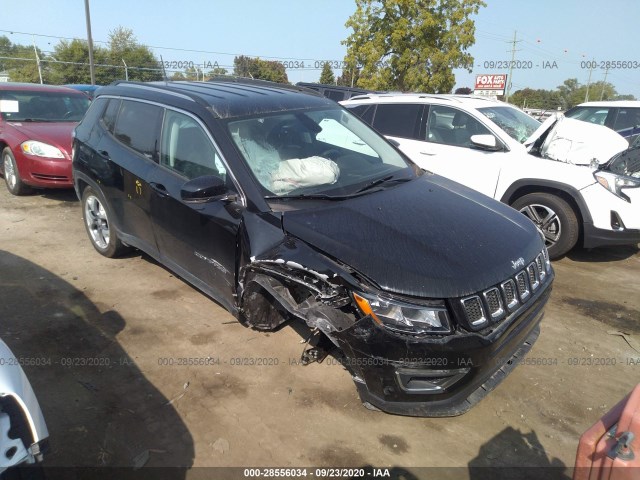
(281,277)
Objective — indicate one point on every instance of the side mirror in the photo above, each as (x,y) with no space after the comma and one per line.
(485,142)
(203,189)
(393,142)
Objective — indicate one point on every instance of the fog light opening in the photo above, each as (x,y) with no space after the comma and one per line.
(616,221)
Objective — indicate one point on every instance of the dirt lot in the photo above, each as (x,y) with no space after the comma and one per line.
(64,304)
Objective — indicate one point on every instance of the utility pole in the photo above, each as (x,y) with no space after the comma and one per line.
(126,70)
(513,56)
(586,95)
(37,60)
(606,72)
(90,42)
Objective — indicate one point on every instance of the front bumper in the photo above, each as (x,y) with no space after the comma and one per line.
(598,237)
(614,221)
(45,172)
(397,373)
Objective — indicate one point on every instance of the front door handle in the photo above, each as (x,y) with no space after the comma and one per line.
(160,189)
(430,154)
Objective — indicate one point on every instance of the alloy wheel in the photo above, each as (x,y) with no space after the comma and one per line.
(97,222)
(10,172)
(546,220)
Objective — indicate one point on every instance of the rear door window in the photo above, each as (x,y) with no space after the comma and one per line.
(627,118)
(398,120)
(365,112)
(137,127)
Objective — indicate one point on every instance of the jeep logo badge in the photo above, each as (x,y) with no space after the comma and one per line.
(519,263)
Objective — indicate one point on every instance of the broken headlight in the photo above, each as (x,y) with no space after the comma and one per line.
(404,317)
(615,183)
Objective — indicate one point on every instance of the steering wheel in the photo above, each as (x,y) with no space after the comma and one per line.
(67,115)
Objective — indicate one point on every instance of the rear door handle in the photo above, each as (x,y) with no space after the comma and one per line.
(160,189)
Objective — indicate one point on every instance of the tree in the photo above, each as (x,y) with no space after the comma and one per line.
(70,63)
(349,77)
(24,68)
(142,64)
(326,76)
(216,71)
(411,45)
(463,91)
(259,69)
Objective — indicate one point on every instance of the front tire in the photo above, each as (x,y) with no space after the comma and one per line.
(15,185)
(554,217)
(97,220)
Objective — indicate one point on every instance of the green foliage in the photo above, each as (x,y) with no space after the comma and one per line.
(537,98)
(20,70)
(69,62)
(259,69)
(326,76)
(411,45)
(350,76)
(216,72)
(463,91)
(567,95)
(123,45)
(72,63)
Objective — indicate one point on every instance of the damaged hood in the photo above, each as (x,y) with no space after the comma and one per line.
(428,238)
(574,141)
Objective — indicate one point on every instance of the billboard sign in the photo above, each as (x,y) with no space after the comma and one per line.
(490,84)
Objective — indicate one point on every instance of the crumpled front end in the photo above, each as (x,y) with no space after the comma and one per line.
(23,431)
(407,355)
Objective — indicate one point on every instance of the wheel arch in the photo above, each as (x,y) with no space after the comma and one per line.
(566,192)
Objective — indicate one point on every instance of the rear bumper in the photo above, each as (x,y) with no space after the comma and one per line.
(465,369)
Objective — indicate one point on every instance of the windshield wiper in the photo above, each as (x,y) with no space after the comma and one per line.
(387,179)
(307,196)
(324,196)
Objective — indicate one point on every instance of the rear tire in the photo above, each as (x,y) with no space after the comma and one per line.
(97,220)
(554,217)
(15,185)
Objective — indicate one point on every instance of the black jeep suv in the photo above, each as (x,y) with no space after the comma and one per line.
(281,205)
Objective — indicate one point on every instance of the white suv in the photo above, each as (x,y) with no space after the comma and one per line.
(557,173)
(623,116)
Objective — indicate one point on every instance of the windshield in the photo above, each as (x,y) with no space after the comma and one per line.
(37,106)
(516,123)
(322,153)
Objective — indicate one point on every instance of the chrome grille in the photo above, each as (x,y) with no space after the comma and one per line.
(494,303)
(509,292)
(542,271)
(533,276)
(547,263)
(523,286)
(474,311)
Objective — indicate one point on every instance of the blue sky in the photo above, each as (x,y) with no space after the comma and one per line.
(558,34)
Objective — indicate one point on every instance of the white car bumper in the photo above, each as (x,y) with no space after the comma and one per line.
(20,413)
(614,221)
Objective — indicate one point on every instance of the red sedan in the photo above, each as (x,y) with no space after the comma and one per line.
(36,124)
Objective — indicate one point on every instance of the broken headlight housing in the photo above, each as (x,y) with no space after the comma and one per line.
(404,317)
(615,183)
